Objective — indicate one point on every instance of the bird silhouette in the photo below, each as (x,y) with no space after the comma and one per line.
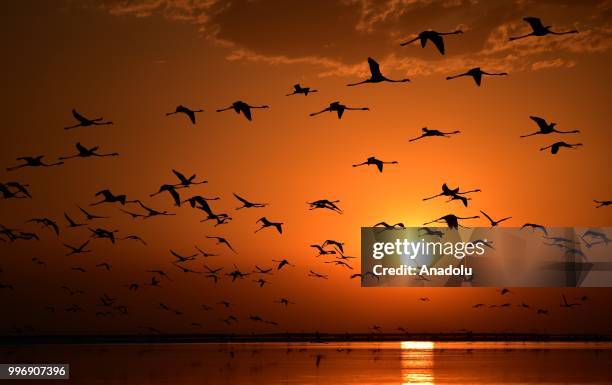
(84,122)
(89,216)
(261,282)
(259,270)
(437,38)
(566,304)
(282,263)
(134,238)
(554,148)
(386,226)
(46,222)
(221,240)
(100,233)
(14,190)
(494,223)
(339,109)
(340,263)
(427,132)
(185,269)
(597,235)
(237,274)
(104,265)
(180,258)
(72,292)
(476,73)
(171,189)
(538,29)
(546,128)
(322,251)
(109,197)
(453,194)
(265,222)
(336,244)
(451,220)
(376,76)
(180,109)
(161,273)
(133,215)
(152,212)
(246,204)
(204,253)
(242,107)
(298,89)
(285,302)
(431,232)
(602,203)
(85,152)
(535,226)
(325,204)
(33,161)
(184,181)
(374,161)
(72,223)
(317,275)
(79,249)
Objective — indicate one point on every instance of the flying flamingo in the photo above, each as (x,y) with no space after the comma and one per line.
(243,107)
(427,132)
(298,89)
(84,122)
(546,128)
(376,76)
(374,161)
(180,109)
(602,203)
(476,73)
(538,29)
(554,148)
(435,37)
(451,220)
(33,161)
(339,108)
(493,222)
(85,152)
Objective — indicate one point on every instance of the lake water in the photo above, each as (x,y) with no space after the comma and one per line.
(325,363)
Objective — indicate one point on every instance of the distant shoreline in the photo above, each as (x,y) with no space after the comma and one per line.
(296,338)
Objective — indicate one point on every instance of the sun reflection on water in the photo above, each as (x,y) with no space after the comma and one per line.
(417,362)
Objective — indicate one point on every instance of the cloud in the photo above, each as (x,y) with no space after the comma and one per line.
(194,11)
(555,63)
(334,37)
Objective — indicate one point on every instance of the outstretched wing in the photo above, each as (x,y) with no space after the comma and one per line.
(179,175)
(488,217)
(191,115)
(374,67)
(541,122)
(534,22)
(241,199)
(81,148)
(175,195)
(79,117)
(438,42)
(246,110)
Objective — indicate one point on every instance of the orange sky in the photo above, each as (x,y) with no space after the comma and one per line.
(132,62)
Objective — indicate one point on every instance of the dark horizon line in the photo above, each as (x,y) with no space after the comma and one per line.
(300,337)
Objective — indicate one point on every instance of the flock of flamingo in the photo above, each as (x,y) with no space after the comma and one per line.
(177,192)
